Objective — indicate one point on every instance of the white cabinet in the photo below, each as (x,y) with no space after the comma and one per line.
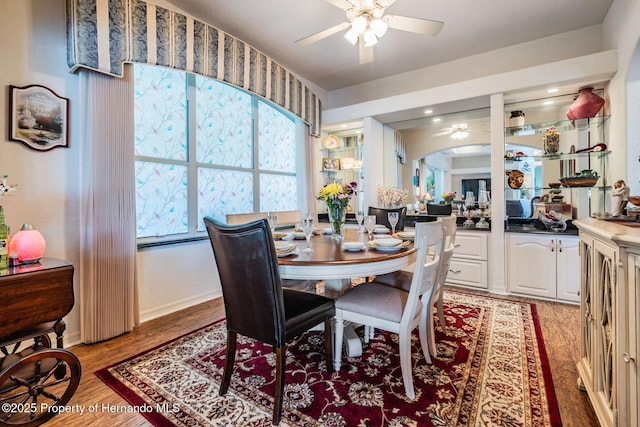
(629,377)
(599,363)
(610,320)
(544,266)
(469,261)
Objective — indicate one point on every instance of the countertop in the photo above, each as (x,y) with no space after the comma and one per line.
(624,233)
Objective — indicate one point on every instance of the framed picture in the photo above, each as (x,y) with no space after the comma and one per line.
(38,117)
(330,164)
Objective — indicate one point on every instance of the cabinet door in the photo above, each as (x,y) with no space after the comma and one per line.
(531,265)
(568,269)
(605,362)
(629,373)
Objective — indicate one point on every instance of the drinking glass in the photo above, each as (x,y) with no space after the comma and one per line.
(272,220)
(393,220)
(307,228)
(370,224)
(360,218)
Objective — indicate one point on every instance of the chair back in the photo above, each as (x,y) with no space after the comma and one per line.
(429,243)
(243,218)
(250,278)
(382,218)
(449,227)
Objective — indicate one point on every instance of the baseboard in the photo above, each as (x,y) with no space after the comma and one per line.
(156,312)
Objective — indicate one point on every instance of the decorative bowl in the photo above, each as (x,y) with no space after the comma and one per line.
(555,184)
(634,200)
(579,181)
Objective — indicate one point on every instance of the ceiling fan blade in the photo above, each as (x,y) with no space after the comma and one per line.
(446,132)
(341,4)
(365,53)
(322,34)
(414,25)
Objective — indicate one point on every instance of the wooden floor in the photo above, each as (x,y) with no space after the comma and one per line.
(559,322)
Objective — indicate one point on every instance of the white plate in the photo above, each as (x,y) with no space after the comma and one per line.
(326,230)
(353,246)
(407,235)
(372,244)
(381,226)
(388,242)
(283,245)
(381,230)
(299,235)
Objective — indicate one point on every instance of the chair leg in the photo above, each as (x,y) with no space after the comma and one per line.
(328,345)
(443,325)
(281,353)
(232,337)
(425,337)
(405,363)
(337,341)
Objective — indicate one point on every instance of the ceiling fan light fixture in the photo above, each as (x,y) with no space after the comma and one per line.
(351,36)
(359,24)
(379,27)
(460,134)
(370,38)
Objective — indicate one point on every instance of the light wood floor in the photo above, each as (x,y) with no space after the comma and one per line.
(559,322)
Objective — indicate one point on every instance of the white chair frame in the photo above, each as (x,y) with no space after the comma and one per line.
(352,306)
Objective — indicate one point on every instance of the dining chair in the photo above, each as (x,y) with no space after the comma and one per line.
(256,304)
(382,217)
(402,279)
(392,309)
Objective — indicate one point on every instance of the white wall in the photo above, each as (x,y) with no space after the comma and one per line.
(621,30)
(33,51)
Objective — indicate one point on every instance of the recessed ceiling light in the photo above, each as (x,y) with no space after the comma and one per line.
(436,119)
(552,90)
(548,102)
(344,126)
(428,111)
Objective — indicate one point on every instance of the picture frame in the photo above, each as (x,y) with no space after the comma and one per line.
(38,117)
(330,164)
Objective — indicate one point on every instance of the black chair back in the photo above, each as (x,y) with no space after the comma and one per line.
(250,279)
(382,218)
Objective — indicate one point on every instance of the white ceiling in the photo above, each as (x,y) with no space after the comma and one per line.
(470,27)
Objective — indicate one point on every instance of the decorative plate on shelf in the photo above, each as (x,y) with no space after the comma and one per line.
(579,181)
(330,142)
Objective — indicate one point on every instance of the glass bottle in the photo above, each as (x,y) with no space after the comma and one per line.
(4,242)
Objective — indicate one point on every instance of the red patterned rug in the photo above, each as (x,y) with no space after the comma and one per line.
(491,369)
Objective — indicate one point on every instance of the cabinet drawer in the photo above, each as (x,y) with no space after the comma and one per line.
(471,245)
(468,272)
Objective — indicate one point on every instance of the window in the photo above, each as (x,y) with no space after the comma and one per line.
(205,148)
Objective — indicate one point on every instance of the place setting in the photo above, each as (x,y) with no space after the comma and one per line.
(388,244)
(285,248)
(353,246)
(405,235)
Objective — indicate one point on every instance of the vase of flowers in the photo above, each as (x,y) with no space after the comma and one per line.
(392,197)
(337,197)
(448,197)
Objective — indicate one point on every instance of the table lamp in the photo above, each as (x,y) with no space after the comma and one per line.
(29,244)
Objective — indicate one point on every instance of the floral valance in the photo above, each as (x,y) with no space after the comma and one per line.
(104,34)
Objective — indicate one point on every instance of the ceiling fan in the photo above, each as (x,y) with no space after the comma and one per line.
(367,23)
(457,131)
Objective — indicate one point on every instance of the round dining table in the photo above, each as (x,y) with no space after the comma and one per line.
(336,266)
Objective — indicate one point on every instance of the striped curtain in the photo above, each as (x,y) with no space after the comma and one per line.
(104,34)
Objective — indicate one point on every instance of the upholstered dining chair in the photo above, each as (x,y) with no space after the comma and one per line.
(393,309)
(402,279)
(382,217)
(255,302)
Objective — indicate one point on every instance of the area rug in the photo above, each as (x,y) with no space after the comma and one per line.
(491,369)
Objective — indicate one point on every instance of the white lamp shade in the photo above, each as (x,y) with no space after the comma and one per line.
(379,27)
(351,36)
(370,38)
(359,24)
(29,244)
